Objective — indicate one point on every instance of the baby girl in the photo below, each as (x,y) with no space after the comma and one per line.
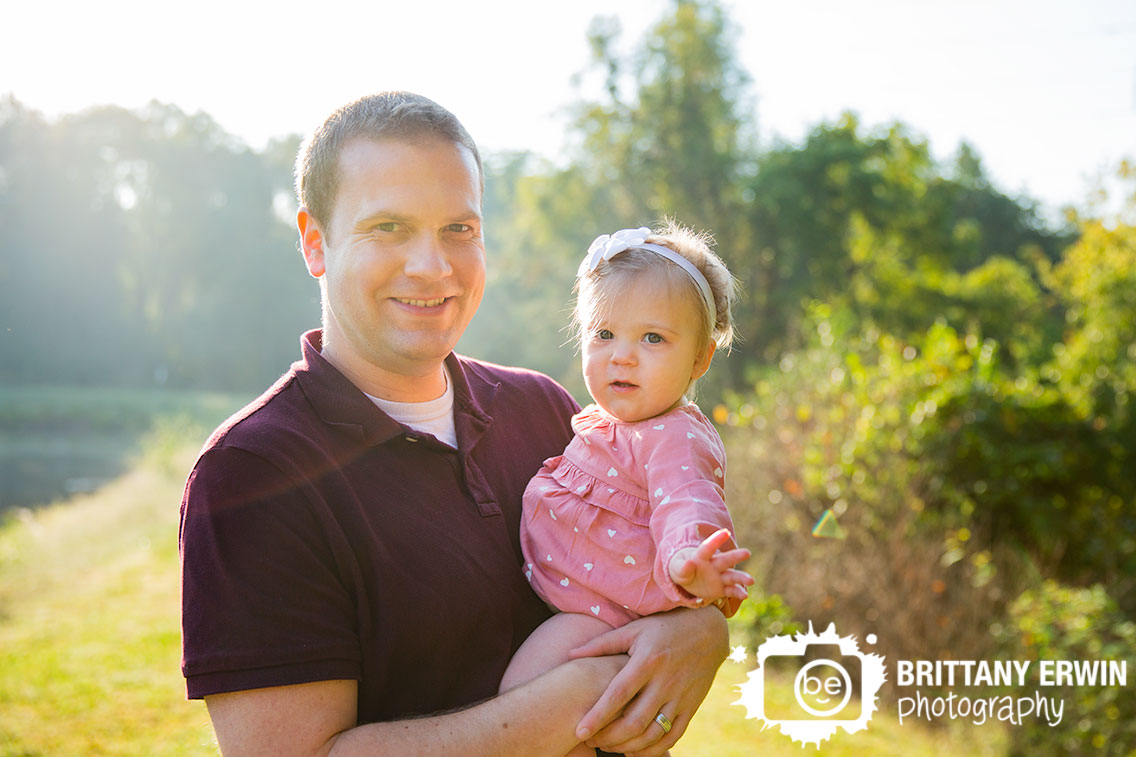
(631,519)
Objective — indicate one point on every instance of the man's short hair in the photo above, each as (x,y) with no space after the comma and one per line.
(385,115)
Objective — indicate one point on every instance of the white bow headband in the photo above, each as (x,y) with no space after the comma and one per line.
(606,246)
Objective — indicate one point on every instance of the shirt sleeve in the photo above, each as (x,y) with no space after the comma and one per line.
(263,600)
(686,467)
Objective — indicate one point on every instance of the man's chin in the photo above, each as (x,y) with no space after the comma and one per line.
(428,353)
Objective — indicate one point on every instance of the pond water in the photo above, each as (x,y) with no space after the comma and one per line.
(39,468)
(57,441)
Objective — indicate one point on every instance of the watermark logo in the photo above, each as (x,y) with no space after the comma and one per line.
(834,685)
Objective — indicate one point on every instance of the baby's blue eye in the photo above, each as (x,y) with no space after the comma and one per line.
(653,338)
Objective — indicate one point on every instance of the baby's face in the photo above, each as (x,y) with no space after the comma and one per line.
(643,350)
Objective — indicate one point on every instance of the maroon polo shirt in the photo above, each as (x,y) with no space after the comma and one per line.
(322,540)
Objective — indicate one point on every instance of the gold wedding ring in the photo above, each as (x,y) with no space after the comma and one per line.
(665,722)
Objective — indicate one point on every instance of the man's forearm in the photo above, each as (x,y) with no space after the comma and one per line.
(537,718)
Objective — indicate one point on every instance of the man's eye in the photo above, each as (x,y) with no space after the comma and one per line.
(653,338)
(459,228)
(387,226)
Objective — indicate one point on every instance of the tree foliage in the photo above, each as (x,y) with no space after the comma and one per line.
(133,241)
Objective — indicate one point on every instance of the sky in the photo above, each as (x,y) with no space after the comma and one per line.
(1044,90)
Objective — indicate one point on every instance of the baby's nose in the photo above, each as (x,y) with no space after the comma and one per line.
(623,355)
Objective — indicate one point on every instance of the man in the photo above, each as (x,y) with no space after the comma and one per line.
(349,541)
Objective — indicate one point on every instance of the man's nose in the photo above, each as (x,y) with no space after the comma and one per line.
(427,259)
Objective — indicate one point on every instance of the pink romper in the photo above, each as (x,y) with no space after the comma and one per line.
(602,521)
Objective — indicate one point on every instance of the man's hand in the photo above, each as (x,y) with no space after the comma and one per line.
(673,659)
(707,573)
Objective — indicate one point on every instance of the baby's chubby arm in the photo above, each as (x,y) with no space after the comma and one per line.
(709,574)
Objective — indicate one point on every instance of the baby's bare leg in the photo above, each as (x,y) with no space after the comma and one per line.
(549,645)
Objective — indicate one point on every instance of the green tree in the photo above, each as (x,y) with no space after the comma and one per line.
(538,222)
(679,143)
(209,252)
(672,135)
(132,241)
(871,221)
(63,242)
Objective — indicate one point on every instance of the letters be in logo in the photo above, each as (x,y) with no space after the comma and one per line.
(824,669)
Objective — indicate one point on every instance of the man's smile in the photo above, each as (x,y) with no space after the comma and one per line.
(432,303)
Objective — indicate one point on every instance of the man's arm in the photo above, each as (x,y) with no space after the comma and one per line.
(536,718)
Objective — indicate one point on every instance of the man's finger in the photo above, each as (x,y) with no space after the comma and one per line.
(637,718)
(650,741)
(619,692)
(615,641)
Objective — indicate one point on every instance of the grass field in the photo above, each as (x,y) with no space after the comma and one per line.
(90,647)
(89,629)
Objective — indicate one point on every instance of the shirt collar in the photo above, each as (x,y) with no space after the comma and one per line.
(341,404)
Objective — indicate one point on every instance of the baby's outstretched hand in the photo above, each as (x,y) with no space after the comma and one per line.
(709,574)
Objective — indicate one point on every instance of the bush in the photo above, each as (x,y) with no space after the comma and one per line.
(1056,622)
(841,429)
(959,485)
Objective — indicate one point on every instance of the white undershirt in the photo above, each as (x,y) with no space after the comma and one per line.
(432,417)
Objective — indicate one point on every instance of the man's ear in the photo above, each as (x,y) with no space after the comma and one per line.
(702,362)
(311,242)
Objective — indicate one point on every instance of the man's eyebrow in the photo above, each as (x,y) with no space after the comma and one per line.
(472,215)
(382,215)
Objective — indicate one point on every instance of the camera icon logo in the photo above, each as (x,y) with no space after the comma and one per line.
(819,683)
(834,685)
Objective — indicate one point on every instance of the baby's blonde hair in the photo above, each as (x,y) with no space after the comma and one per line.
(596,287)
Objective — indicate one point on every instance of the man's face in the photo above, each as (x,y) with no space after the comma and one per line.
(402,258)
